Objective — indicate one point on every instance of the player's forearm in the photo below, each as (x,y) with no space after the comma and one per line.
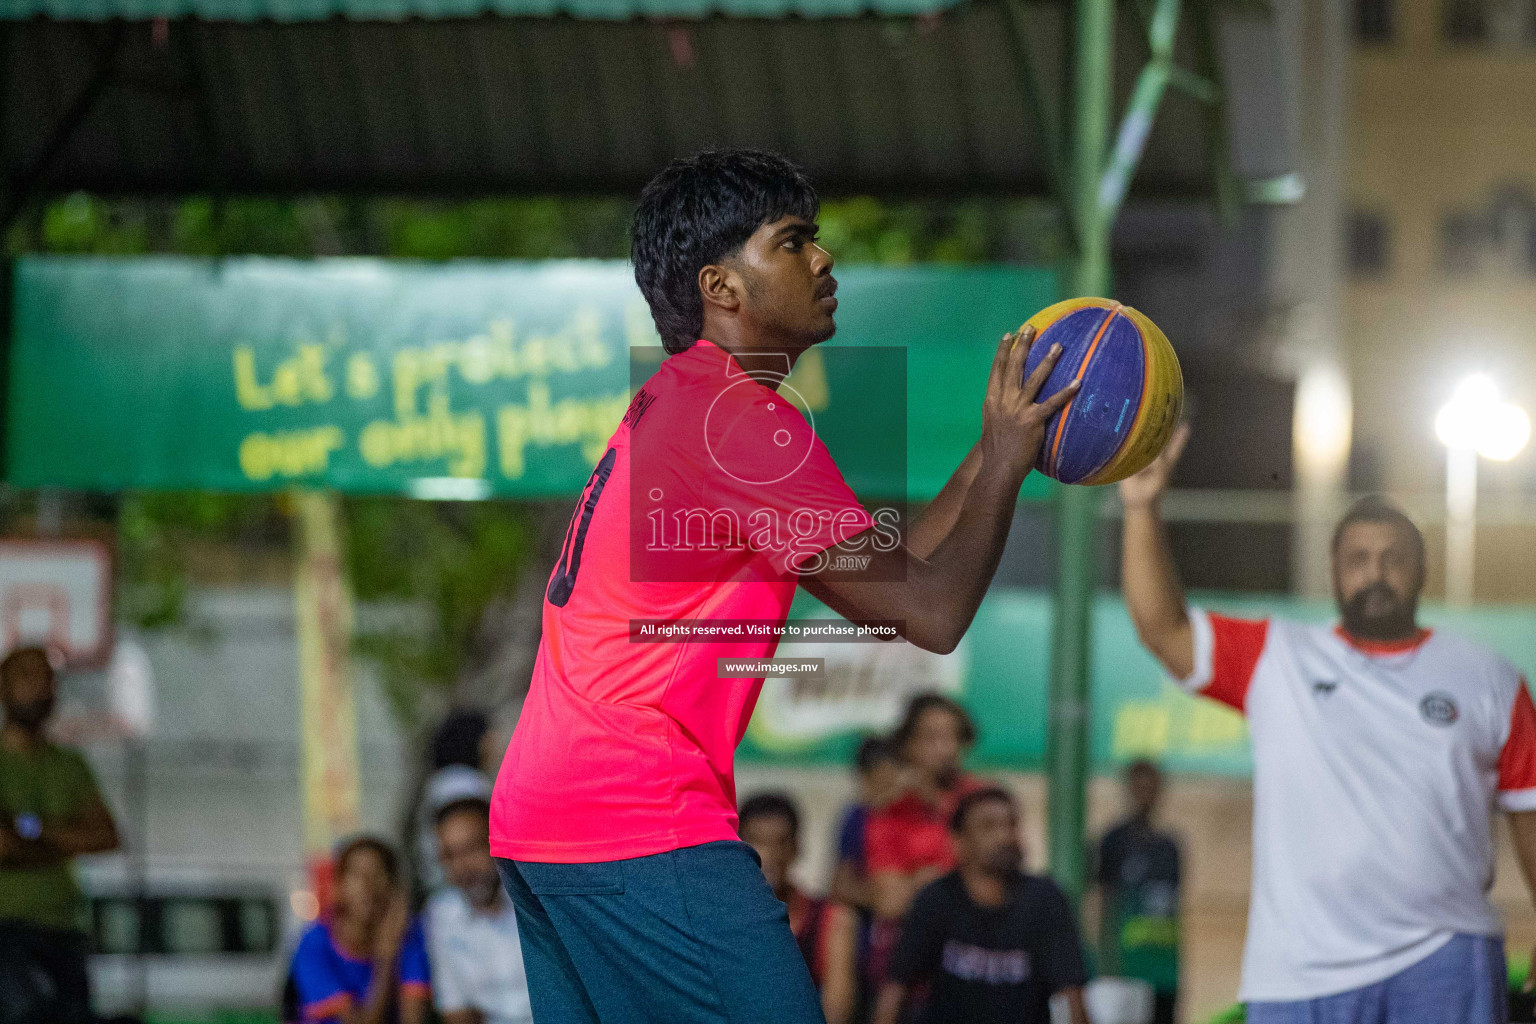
(891,894)
(375,1007)
(1077,1007)
(849,885)
(930,529)
(413,1011)
(840,985)
(888,1004)
(1153,595)
(1522,832)
(945,590)
(933,600)
(937,598)
(73,840)
(838,1001)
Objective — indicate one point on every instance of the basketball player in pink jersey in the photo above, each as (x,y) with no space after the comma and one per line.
(1381,751)
(614,814)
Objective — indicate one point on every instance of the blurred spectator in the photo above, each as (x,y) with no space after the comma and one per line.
(50,812)
(460,740)
(1138,877)
(825,929)
(907,843)
(477,959)
(988,943)
(881,780)
(367,964)
(457,774)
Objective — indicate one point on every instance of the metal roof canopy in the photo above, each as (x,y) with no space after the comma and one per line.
(895,97)
(399,10)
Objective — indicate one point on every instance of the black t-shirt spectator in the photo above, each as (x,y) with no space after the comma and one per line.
(1139,870)
(1133,854)
(988,965)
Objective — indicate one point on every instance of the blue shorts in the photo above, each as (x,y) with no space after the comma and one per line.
(691,936)
(1462,982)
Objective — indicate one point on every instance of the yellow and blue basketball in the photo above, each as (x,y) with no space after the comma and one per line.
(1131,397)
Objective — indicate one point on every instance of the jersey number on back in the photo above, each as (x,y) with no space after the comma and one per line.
(563,582)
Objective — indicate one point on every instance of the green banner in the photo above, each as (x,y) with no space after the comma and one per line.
(1000,673)
(451,380)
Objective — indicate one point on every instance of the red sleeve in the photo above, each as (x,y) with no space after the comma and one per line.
(1517,761)
(883,846)
(1235,648)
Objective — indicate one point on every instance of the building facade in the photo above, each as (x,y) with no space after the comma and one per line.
(1440,180)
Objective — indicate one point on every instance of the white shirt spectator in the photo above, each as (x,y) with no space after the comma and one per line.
(445,786)
(477,962)
(1377,768)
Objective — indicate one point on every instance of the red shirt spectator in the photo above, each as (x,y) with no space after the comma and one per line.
(907,843)
(912,834)
(813,922)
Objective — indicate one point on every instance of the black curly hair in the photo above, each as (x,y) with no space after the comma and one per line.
(388,859)
(923,703)
(698,211)
(972,800)
(770,805)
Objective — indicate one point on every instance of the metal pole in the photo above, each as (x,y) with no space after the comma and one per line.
(136,784)
(1309,271)
(1067,742)
(1321,427)
(323,624)
(1460,522)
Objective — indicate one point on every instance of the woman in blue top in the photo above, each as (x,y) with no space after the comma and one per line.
(367,964)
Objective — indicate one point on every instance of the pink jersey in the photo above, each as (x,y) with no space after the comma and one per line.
(714,492)
(1377,769)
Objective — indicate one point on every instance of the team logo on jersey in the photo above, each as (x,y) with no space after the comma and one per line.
(1324,687)
(1438,708)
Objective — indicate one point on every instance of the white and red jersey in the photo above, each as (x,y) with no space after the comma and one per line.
(1377,769)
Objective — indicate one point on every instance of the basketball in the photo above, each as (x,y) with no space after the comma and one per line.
(1131,397)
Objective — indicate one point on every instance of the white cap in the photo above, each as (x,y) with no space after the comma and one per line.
(454,783)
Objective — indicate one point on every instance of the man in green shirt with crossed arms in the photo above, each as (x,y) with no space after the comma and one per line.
(50,813)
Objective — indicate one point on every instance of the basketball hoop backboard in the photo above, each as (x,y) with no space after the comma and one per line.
(57,594)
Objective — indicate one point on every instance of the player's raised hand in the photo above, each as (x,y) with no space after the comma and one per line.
(1145,488)
(1012,422)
